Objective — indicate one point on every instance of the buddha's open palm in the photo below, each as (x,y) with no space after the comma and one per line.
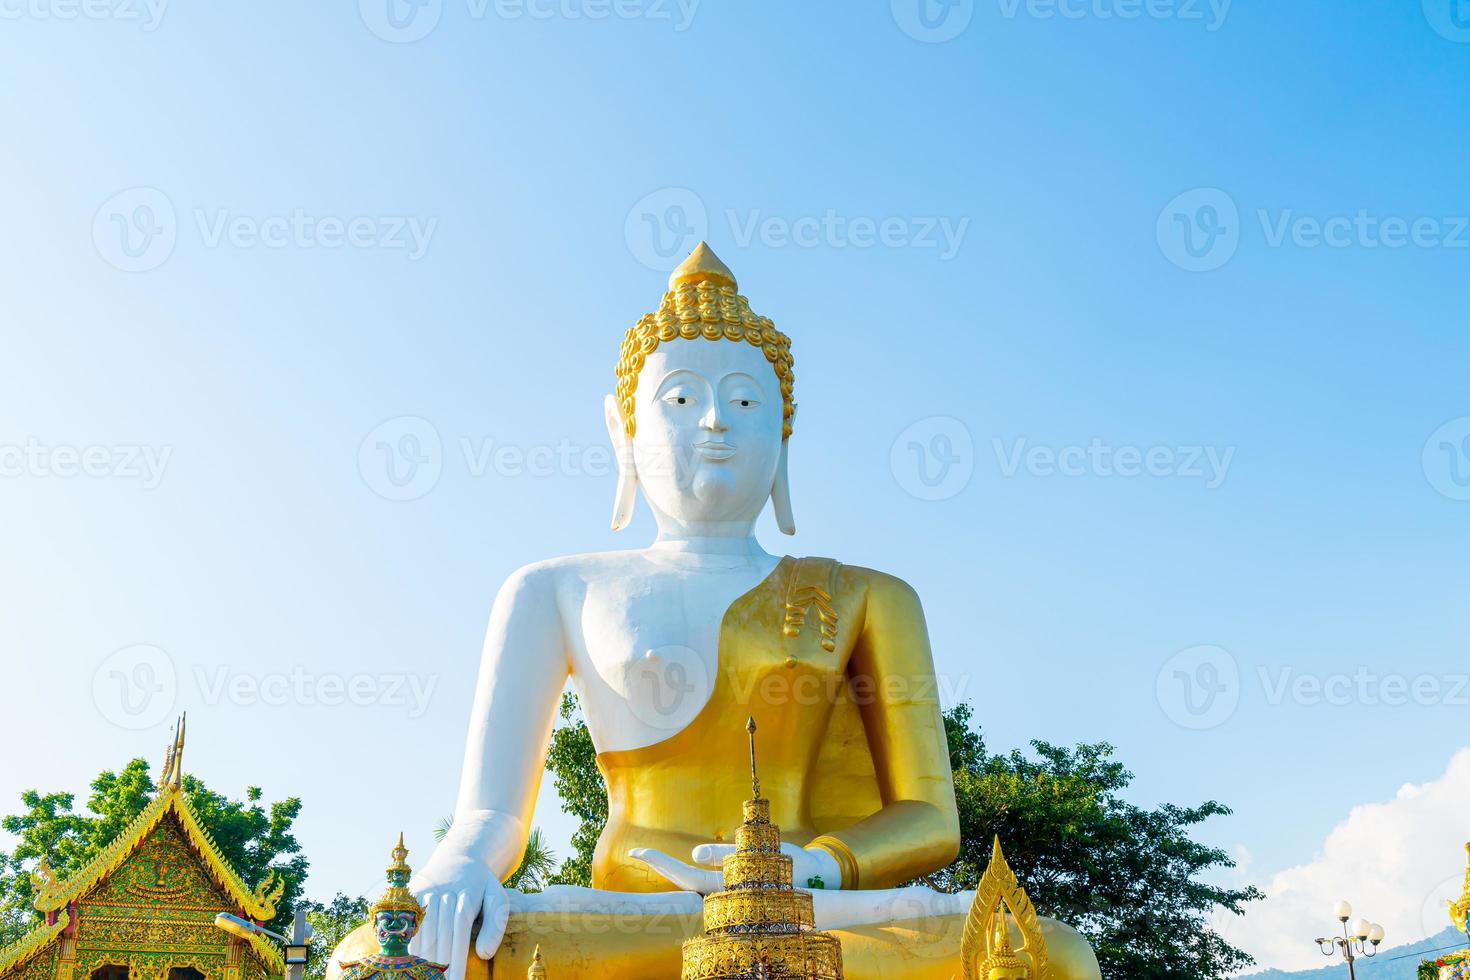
(806,864)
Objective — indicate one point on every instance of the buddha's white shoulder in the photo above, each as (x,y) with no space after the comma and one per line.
(555,574)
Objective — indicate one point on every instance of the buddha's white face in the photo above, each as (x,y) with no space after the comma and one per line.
(709,418)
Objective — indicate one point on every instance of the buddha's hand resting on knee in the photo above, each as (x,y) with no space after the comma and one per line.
(456,887)
(807,864)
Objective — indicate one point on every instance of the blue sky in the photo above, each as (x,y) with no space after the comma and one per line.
(1221,246)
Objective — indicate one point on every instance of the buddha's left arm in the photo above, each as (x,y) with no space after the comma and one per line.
(891,676)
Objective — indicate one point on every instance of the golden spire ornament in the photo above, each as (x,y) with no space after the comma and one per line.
(538,969)
(986,952)
(759,926)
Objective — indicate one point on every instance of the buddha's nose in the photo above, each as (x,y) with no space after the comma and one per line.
(713,420)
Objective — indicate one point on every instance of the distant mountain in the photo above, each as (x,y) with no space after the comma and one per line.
(1399,963)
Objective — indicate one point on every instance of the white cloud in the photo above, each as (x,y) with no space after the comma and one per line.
(1398,862)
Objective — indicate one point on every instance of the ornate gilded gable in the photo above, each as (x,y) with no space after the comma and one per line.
(162,870)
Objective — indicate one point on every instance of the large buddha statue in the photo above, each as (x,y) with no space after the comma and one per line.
(670,648)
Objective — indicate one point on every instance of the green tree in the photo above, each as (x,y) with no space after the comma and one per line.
(572,761)
(330,925)
(256,839)
(1127,877)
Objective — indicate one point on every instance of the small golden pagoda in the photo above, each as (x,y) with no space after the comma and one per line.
(760,927)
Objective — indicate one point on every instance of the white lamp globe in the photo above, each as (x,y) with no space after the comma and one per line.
(1375,935)
(1342,911)
(1360,928)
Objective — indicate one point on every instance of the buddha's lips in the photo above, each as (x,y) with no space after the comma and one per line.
(715,450)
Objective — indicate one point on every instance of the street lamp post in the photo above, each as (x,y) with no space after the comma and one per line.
(298,947)
(1359,940)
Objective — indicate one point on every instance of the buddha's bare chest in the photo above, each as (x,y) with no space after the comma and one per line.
(625,620)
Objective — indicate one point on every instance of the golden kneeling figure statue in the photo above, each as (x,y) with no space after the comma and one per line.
(670,648)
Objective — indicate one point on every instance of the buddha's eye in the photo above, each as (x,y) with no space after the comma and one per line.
(744,399)
(680,396)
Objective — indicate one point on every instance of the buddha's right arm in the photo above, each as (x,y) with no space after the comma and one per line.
(523,670)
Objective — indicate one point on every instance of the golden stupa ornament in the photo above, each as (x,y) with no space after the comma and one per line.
(986,952)
(759,926)
(703,301)
(538,969)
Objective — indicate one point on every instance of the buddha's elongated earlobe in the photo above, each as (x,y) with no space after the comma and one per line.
(627,493)
(781,494)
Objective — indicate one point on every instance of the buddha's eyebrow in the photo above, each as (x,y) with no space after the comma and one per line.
(675,376)
(740,377)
